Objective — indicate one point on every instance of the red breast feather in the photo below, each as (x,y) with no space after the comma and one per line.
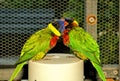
(65,37)
(53,41)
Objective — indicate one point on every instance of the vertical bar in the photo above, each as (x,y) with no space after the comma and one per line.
(119,44)
(91,17)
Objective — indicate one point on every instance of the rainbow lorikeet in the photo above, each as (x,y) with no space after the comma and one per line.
(39,44)
(82,44)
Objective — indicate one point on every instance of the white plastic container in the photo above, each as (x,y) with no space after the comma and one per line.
(56,67)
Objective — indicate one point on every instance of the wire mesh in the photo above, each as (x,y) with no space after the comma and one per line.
(108,30)
(21,18)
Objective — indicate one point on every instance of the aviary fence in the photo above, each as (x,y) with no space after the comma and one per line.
(21,18)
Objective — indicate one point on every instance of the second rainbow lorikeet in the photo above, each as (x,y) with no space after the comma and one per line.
(82,44)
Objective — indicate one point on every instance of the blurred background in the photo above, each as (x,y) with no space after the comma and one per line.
(21,18)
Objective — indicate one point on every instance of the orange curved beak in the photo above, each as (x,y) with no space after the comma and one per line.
(75,23)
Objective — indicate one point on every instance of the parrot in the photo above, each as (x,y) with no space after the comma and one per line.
(39,43)
(83,45)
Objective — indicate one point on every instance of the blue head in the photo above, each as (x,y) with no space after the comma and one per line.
(62,25)
(59,25)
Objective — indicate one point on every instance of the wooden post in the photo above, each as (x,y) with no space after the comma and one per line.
(91,17)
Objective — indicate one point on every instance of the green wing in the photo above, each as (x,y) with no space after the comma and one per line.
(36,44)
(34,48)
(83,44)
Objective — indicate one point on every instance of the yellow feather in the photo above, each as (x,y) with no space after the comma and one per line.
(54,30)
(38,56)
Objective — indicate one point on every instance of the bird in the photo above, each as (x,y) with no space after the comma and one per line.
(38,44)
(83,45)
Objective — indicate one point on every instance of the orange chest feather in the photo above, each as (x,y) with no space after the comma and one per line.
(65,37)
(53,41)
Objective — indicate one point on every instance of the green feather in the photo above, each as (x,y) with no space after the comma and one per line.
(35,48)
(17,70)
(99,70)
(84,45)
(38,42)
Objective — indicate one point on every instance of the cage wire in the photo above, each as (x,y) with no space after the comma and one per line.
(108,30)
(21,18)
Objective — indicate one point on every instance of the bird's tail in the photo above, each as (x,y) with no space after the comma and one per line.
(99,70)
(16,71)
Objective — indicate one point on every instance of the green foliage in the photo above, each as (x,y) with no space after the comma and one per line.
(108,19)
